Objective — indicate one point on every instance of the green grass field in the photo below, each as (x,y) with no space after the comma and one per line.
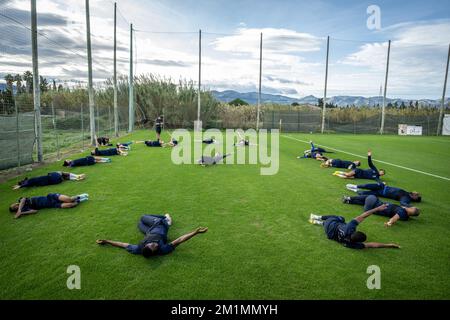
(259,244)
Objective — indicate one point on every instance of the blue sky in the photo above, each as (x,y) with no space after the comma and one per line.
(294,41)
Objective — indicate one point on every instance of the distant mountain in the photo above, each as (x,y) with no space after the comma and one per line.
(341,101)
(252,97)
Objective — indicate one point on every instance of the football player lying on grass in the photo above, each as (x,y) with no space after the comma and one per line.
(371,174)
(338,163)
(159,143)
(86,161)
(49,179)
(155,228)
(314,153)
(124,146)
(392,211)
(109,152)
(385,191)
(27,206)
(209,161)
(345,233)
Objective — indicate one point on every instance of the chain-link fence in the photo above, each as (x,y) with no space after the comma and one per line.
(356,121)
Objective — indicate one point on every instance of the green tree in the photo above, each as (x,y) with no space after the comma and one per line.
(28,78)
(295,104)
(238,102)
(43,84)
(18,80)
(9,82)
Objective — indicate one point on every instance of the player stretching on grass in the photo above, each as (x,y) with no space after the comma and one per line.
(159,143)
(382,190)
(314,153)
(27,206)
(345,233)
(109,152)
(392,211)
(155,228)
(338,163)
(86,161)
(50,179)
(209,161)
(372,174)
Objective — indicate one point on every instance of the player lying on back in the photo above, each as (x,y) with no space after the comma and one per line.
(109,152)
(385,191)
(159,143)
(86,161)
(314,153)
(155,228)
(371,174)
(345,233)
(209,161)
(49,179)
(392,211)
(338,163)
(27,206)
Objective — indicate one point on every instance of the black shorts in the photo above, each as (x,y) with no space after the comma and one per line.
(158,130)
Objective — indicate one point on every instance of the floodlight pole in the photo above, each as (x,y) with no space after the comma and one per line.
(324,107)
(36,87)
(90,86)
(199,76)
(441,113)
(383,110)
(131,86)
(116,111)
(260,80)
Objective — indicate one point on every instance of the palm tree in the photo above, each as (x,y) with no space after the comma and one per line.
(18,80)
(9,81)
(28,78)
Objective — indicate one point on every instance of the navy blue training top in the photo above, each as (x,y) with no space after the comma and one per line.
(336,229)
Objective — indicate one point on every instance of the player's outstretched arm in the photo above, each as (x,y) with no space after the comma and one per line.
(370,212)
(392,221)
(381,245)
(188,236)
(113,243)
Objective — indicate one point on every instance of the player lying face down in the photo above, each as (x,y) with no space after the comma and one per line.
(49,179)
(385,191)
(338,230)
(371,174)
(109,152)
(27,206)
(338,163)
(392,211)
(209,161)
(155,229)
(86,161)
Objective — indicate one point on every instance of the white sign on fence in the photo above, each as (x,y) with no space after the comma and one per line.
(406,130)
(446,125)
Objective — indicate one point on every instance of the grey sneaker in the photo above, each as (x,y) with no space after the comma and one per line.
(346,199)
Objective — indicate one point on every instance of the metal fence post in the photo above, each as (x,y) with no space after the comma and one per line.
(82,128)
(56,131)
(383,110)
(17,133)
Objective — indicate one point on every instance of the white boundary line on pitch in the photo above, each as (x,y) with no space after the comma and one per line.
(381,161)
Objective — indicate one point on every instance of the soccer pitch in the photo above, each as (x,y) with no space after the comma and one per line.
(259,244)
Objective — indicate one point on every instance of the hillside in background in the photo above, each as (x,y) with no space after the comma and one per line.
(340,101)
